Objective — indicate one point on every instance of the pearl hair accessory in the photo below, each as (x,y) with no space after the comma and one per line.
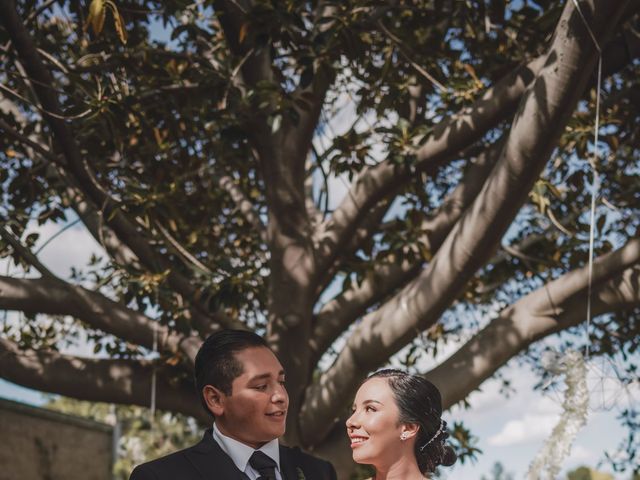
(435,435)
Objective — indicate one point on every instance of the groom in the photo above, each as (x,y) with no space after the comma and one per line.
(241,383)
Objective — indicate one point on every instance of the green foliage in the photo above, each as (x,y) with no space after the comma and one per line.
(586,473)
(464,443)
(498,472)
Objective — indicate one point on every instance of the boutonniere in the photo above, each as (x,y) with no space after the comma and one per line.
(300,474)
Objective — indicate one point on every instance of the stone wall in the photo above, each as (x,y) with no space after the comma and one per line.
(39,444)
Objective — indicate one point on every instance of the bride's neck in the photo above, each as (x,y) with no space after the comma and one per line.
(403,469)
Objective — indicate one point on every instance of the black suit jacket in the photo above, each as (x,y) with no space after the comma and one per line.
(207,461)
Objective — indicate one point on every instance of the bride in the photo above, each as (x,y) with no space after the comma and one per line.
(396,426)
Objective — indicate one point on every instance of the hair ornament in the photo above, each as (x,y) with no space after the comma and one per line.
(435,435)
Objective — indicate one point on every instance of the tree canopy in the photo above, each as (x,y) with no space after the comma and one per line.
(207,147)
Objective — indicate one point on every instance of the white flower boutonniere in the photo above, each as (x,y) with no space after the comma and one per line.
(300,474)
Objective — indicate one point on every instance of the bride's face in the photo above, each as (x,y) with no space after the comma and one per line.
(373,427)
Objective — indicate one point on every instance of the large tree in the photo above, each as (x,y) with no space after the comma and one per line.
(202,145)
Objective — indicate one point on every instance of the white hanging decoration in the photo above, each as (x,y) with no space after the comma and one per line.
(557,447)
(548,462)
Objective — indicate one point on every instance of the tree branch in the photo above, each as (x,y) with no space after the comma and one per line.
(367,229)
(94,221)
(278,152)
(506,337)
(91,217)
(56,297)
(542,116)
(244,205)
(450,137)
(25,253)
(386,277)
(116,381)
(559,305)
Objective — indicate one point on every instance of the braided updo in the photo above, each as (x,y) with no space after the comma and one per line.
(420,403)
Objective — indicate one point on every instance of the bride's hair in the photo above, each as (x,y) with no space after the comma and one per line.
(420,403)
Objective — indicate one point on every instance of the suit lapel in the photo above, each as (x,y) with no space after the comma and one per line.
(211,462)
(287,464)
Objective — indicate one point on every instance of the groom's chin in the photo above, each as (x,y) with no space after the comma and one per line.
(276,426)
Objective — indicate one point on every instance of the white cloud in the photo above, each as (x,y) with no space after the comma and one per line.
(533,418)
(580,455)
(531,427)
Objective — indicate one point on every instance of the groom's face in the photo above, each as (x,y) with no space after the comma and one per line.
(256,411)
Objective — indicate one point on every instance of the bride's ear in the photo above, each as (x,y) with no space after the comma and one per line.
(409,430)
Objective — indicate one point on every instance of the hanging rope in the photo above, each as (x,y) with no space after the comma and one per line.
(152,407)
(595,185)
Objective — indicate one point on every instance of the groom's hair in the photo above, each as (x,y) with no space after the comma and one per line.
(216,364)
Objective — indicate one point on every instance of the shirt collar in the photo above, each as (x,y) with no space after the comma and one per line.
(241,453)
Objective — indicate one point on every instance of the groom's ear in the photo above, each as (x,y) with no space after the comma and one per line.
(214,399)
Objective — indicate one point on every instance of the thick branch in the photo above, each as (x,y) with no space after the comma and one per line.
(115,381)
(509,335)
(386,277)
(543,114)
(280,153)
(55,297)
(555,307)
(361,236)
(448,139)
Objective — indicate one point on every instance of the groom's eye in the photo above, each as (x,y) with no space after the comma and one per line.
(260,387)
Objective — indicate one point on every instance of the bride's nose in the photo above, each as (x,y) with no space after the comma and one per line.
(352,421)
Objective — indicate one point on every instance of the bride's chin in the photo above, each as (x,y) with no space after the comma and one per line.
(363,459)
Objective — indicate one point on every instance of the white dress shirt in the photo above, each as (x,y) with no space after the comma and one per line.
(241,453)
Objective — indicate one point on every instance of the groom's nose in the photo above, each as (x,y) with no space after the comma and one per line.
(280,395)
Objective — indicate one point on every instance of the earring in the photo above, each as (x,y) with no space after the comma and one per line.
(404,436)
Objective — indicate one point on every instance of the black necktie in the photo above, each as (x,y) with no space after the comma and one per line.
(265,466)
